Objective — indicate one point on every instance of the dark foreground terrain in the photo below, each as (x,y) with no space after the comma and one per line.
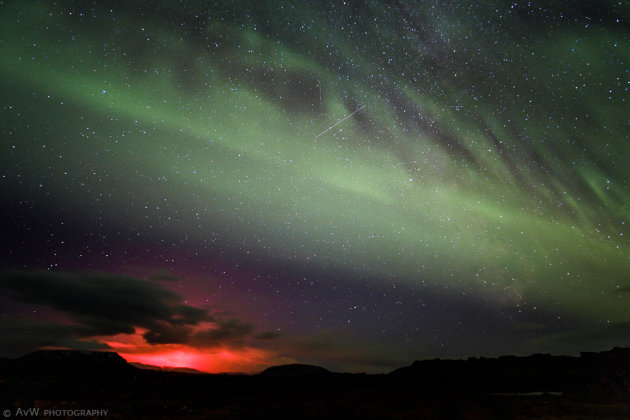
(592,386)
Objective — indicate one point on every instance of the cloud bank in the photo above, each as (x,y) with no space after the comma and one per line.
(93,305)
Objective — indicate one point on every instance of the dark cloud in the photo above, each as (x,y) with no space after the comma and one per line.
(98,304)
(528,326)
(168,333)
(100,297)
(268,335)
(19,336)
(592,338)
(163,275)
(339,351)
(230,331)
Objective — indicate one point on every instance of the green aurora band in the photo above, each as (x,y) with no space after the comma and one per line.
(491,158)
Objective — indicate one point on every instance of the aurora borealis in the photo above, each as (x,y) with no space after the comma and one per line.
(172,188)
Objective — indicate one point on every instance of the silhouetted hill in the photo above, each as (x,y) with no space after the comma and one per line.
(295,370)
(71,361)
(607,373)
(591,386)
(601,373)
(166,369)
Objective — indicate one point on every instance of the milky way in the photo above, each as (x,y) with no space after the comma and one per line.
(356,184)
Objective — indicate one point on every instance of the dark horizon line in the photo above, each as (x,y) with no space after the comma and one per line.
(193,371)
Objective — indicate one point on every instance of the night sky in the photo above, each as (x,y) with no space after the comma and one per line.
(355,184)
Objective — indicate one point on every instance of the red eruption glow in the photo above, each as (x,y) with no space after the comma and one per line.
(243,359)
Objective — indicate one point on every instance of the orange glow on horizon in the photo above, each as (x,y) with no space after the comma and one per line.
(243,359)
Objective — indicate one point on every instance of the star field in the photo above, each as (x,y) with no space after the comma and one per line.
(355,184)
